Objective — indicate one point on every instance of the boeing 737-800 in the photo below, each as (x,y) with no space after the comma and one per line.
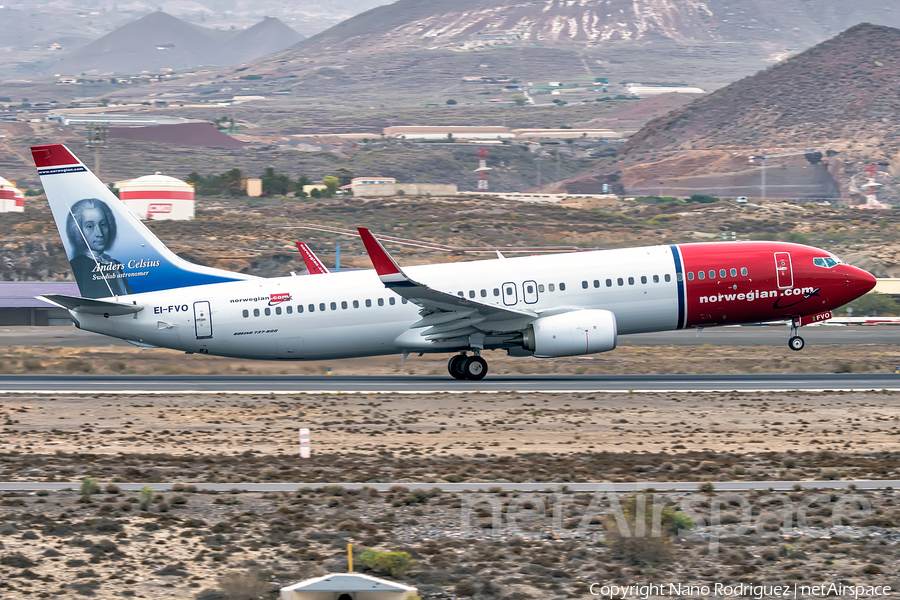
(134,288)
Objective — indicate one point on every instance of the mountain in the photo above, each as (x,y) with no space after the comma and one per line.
(839,97)
(160,40)
(268,36)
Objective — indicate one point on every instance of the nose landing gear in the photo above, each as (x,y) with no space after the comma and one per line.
(462,366)
(796,342)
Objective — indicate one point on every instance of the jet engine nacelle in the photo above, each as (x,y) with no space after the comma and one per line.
(572,334)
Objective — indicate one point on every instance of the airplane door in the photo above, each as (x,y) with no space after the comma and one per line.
(529,292)
(510,296)
(784,270)
(202,320)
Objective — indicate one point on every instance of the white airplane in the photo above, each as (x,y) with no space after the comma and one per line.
(136,289)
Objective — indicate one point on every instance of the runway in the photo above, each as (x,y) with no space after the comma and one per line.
(659,486)
(716,336)
(412,384)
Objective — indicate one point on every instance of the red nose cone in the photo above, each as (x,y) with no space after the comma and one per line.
(863,281)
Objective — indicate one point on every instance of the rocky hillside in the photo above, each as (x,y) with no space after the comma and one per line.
(838,97)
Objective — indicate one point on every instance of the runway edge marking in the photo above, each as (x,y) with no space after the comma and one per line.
(451,392)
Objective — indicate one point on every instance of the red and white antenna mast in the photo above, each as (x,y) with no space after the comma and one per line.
(482,170)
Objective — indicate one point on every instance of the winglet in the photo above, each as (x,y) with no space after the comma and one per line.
(387,268)
(313,264)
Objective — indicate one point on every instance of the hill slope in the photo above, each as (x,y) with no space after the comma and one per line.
(268,36)
(838,97)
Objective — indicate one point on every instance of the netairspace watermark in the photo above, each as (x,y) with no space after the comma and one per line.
(650,515)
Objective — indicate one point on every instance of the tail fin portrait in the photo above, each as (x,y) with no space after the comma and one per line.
(111,252)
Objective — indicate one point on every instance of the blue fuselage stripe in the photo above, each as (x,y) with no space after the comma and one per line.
(679,278)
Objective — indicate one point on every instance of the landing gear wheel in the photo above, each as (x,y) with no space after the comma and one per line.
(474,368)
(796,343)
(455,366)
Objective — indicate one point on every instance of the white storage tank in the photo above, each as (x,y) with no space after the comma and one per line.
(11,198)
(158,196)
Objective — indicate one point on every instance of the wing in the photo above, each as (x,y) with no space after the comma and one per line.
(445,315)
(313,264)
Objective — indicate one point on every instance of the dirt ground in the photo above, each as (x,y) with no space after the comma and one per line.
(194,543)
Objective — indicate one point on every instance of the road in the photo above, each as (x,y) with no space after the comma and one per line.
(287,384)
(716,336)
(659,486)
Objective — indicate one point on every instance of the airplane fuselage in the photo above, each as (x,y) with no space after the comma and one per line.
(352,314)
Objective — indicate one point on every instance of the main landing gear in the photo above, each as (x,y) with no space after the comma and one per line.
(796,342)
(462,366)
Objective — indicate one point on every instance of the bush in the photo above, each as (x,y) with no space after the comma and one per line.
(702,199)
(451,102)
(394,564)
(244,585)
(654,547)
(89,487)
(145,497)
(112,488)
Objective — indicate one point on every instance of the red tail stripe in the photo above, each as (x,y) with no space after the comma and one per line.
(52,155)
(384,264)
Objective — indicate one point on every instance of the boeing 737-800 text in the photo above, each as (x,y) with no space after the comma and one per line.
(135,288)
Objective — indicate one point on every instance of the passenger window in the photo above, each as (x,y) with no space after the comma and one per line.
(712,274)
(562,287)
(403,301)
(289,309)
(321,306)
(656,279)
(620,281)
(334,306)
(381,302)
(268,311)
(679,277)
(690,275)
(722,273)
(551,287)
(392,301)
(368,303)
(701,274)
(277,310)
(643,279)
(471,293)
(344,304)
(299,308)
(312,308)
(484,293)
(744,271)
(246,313)
(609,283)
(356,304)
(255,312)
(631,281)
(529,289)
(511,292)
(460,294)
(584,284)
(596,283)
(668,278)
(734,272)
(540,287)
(496,291)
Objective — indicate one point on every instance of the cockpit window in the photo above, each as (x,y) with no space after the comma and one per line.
(826,262)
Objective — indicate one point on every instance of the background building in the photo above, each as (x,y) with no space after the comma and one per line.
(19,306)
(158,197)
(401,189)
(11,198)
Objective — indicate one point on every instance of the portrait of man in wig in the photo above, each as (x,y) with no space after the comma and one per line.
(91,229)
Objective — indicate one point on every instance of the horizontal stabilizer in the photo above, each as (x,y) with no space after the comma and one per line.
(91,307)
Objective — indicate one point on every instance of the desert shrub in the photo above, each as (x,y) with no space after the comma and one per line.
(655,545)
(394,564)
(145,497)
(243,585)
(706,487)
(89,486)
(112,488)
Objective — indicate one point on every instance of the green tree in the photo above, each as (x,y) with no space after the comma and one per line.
(345,176)
(275,183)
(394,564)
(519,99)
(331,184)
(315,193)
(451,102)
(89,487)
(145,497)
(702,199)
